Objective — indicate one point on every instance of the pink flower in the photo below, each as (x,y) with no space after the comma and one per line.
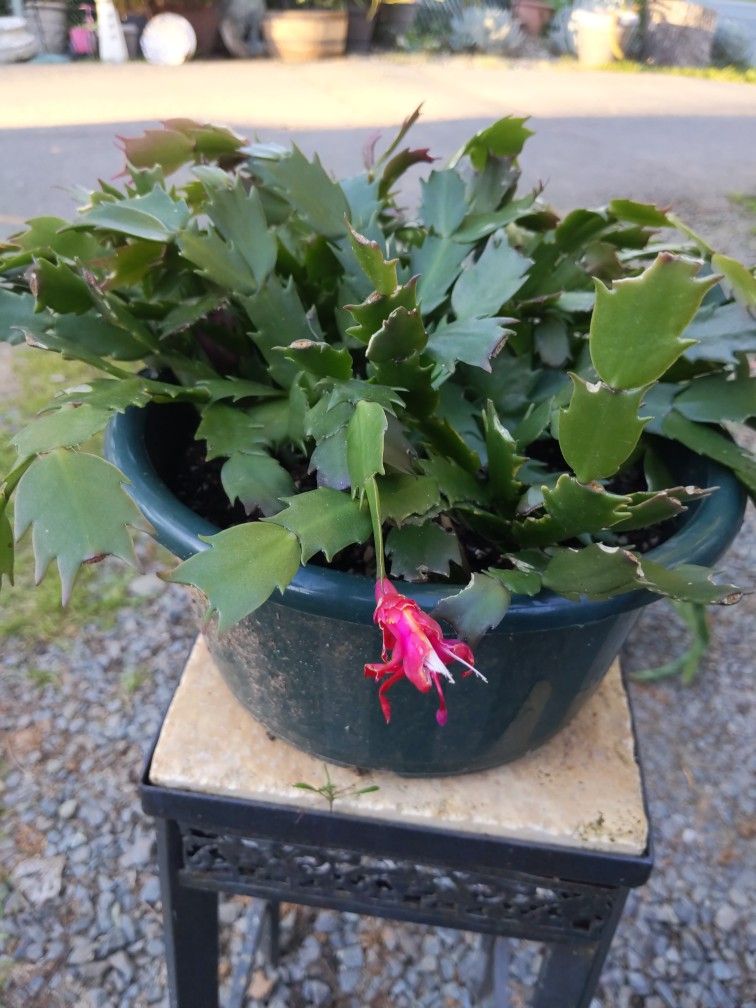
(419,650)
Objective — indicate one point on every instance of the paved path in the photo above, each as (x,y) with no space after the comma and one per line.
(671,139)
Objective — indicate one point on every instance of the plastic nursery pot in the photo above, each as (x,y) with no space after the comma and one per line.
(297,662)
(360,30)
(298,35)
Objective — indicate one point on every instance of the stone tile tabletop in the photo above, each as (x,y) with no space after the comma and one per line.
(581,789)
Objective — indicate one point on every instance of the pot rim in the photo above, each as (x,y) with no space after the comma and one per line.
(712,526)
(304,15)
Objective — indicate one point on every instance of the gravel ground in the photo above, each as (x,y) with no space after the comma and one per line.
(81,922)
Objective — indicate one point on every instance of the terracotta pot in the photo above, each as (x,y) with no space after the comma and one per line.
(360,31)
(298,35)
(206,24)
(533,15)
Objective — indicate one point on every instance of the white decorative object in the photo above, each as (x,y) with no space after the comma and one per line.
(110,34)
(16,41)
(168,40)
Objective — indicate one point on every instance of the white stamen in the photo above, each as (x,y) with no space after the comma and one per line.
(434,664)
(468,665)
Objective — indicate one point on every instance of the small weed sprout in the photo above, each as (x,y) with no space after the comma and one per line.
(332,792)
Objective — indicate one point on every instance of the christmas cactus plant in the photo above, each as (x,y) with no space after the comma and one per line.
(478,392)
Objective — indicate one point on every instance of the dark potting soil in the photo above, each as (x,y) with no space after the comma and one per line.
(196,482)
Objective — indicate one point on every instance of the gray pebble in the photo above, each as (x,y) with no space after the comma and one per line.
(726,918)
(352,956)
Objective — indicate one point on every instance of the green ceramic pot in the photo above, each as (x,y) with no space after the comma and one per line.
(297,662)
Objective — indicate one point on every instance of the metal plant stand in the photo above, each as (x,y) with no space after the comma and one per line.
(457,876)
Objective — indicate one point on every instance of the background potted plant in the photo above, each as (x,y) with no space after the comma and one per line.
(533,15)
(49,21)
(312,29)
(395,18)
(338,413)
(361,24)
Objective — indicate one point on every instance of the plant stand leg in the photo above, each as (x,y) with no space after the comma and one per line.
(190,922)
(494,989)
(273,910)
(570,974)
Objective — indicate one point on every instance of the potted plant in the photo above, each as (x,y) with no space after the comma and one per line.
(533,15)
(339,414)
(312,29)
(48,20)
(395,18)
(361,24)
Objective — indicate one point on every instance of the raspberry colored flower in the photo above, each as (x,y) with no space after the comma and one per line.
(419,650)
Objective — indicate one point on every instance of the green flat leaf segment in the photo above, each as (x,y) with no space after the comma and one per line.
(454,482)
(596,572)
(571,510)
(313,194)
(240,220)
(234,389)
(380,271)
(155,216)
(490,281)
(438,262)
(6,548)
(644,214)
(636,326)
(401,335)
(739,278)
(365,435)
(279,319)
(722,331)
(405,496)
(377,308)
(517,582)
(62,429)
(599,429)
(324,521)
(56,286)
(242,568)
(228,431)
(256,480)
(654,507)
(503,462)
(504,139)
(479,607)
(216,260)
(442,205)
(78,511)
(715,398)
(419,550)
(17,316)
(320,359)
(167,148)
(470,341)
(688,583)
(713,444)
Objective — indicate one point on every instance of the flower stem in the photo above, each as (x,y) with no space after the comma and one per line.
(374,503)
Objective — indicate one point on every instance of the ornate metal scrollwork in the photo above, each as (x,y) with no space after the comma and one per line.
(493,902)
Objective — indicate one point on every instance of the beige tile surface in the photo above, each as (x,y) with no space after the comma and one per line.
(582,789)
